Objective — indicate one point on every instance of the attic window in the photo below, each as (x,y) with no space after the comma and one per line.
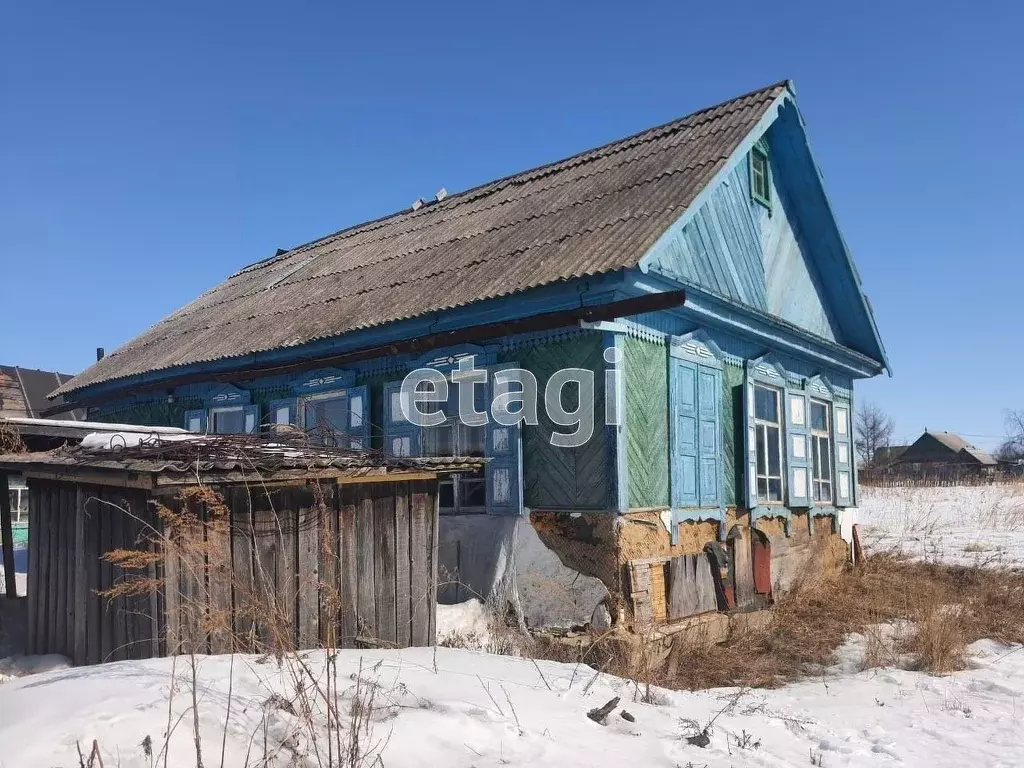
(760,175)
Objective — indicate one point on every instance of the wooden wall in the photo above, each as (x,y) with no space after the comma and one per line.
(270,568)
(647,449)
(71,526)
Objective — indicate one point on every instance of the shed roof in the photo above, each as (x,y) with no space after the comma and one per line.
(595,212)
(224,459)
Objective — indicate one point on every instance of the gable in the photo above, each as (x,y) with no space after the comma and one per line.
(789,262)
(928,448)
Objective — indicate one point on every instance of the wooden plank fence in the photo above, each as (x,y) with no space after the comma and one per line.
(278,566)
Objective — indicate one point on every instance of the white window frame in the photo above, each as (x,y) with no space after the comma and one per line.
(212,416)
(821,439)
(334,394)
(762,426)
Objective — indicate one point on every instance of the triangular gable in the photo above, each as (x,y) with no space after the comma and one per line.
(789,261)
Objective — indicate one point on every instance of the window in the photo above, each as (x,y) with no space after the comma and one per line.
(462,493)
(768,436)
(228,421)
(760,175)
(821,452)
(326,419)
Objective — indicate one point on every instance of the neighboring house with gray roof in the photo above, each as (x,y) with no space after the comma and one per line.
(23,392)
(695,271)
(943,452)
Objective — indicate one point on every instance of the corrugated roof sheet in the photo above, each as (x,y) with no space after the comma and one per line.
(595,212)
(23,391)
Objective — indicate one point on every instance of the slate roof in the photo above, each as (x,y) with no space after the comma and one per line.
(23,391)
(595,212)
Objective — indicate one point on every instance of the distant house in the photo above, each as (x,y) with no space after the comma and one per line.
(694,272)
(888,455)
(944,453)
(23,393)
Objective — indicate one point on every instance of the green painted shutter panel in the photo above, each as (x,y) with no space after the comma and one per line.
(709,391)
(195,421)
(503,448)
(749,444)
(842,429)
(401,438)
(358,417)
(684,428)
(252,419)
(798,493)
(282,411)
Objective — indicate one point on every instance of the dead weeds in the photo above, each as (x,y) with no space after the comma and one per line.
(938,609)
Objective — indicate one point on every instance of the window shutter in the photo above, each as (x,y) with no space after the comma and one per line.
(750,443)
(252,419)
(798,485)
(503,448)
(195,421)
(401,438)
(358,418)
(282,412)
(684,432)
(709,394)
(842,430)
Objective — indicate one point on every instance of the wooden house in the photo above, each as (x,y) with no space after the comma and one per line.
(943,455)
(694,269)
(290,547)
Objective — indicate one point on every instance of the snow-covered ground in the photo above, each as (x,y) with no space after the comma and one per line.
(971,526)
(464,708)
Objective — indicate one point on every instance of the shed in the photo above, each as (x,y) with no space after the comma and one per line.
(231,544)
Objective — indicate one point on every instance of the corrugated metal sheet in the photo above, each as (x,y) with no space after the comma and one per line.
(596,212)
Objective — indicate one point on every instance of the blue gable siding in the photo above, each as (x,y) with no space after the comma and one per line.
(734,247)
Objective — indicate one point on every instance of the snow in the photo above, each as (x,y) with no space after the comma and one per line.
(980,526)
(464,708)
(464,625)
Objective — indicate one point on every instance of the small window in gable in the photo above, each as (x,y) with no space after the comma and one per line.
(760,175)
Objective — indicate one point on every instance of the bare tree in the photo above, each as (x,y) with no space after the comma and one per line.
(874,431)
(1012,448)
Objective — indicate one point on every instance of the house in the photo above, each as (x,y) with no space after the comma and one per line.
(693,282)
(944,453)
(23,392)
(887,455)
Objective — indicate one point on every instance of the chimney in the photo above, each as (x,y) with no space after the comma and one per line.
(99,353)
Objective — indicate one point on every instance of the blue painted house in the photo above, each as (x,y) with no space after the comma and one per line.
(695,269)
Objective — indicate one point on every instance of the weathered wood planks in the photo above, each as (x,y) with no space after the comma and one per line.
(691,586)
(353,565)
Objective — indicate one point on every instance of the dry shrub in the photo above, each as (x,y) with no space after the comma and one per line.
(10,439)
(944,608)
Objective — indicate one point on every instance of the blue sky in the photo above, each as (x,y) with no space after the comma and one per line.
(148,150)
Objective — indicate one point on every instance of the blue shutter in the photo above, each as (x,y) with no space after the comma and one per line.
(252,419)
(683,393)
(798,480)
(503,448)
(842,433)
(359,418)
(282,412)
(709,408)
(749,444)
(195,416)
(401,438)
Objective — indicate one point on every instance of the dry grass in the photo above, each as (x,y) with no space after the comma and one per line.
(937,611)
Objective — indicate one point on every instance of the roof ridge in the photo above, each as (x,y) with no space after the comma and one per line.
(457,198)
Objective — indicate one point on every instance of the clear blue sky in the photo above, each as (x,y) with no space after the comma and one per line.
(147,150)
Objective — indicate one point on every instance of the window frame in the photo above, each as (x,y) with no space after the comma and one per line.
(460,482)
(334,394)
(225,409)
(819,479)
(761,427)
(760,151)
